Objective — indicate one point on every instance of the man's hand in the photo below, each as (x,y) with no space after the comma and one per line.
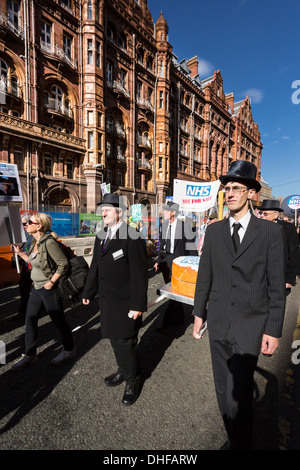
(85,301)
(134,314)
(198,323)
(269,344)
(155,267)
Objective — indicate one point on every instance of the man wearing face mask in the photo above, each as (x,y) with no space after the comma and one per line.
(270,210)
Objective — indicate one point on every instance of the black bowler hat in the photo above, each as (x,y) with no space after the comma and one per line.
(244,172)
(270,205)
(113,200)
(171,206)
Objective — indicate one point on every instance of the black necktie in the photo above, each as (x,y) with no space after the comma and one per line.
(106,241)
(235,236)
(168,241)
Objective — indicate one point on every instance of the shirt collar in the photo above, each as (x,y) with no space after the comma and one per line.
(244,221)
(114,228)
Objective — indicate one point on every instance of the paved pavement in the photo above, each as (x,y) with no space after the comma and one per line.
(69,407)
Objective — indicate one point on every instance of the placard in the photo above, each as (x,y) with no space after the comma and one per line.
(10,186)
(195,197)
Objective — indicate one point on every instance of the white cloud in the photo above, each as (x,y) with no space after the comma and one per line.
(205,68)
(255,94)
(285,137)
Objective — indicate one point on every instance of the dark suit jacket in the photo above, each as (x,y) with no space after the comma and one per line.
(244,290)
(292,251)
(120,274)
(184,245)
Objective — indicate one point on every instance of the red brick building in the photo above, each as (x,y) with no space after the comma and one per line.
(92,92)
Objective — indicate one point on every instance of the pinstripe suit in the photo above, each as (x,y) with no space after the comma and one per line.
(245,292)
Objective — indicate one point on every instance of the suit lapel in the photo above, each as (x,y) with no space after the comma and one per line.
(250,235)
(227,236)
(113,241)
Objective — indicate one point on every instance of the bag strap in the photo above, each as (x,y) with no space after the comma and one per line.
(51,261)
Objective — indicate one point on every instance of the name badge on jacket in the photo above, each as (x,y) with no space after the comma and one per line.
(118,254)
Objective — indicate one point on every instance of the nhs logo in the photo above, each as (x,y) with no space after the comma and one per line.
(197,191)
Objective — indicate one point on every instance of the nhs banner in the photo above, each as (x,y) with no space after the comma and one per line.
(195,197)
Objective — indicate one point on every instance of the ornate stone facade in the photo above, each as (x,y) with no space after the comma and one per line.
(91,92)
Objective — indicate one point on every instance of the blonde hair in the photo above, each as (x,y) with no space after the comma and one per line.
(45,221)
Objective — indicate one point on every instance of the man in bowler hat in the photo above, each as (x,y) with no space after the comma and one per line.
(270,210)
(177,239)
(242,278)
(119,273)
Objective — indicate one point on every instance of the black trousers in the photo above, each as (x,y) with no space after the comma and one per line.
(174,312)
(233,375)
(50,300)
(24,287)
(125,350)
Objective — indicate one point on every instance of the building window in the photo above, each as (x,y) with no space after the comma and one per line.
(109,73)
(99,141)
(97,9)
(13,14)
(90,120)
(90,140)
(90,51)
(70,168)
(149,63)
(150,94)
(122,41)
(48,164)
(110,124)
(139,90)
(160,163)
(66,3)
(110,32)
(46,33)
(161,100)
(67,46)
(119,178)
(123,77)
(55,102)
(98,53)
(108,149)
(67,109)
(140,56)
(161,69)
(19,157)
(90,10)
(3,76)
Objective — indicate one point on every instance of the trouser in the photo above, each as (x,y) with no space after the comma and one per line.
(233,375)
(24,287)
(50,300)
(174,312)
(126,354)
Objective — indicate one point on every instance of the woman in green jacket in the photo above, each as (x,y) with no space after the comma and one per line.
(44,292)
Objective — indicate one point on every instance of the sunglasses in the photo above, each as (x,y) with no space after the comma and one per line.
(30,222)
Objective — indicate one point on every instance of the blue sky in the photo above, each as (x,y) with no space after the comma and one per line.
(256,46)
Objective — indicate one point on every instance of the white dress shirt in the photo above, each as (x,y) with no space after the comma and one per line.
(244,221)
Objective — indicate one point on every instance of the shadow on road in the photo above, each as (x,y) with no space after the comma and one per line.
(22,391)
